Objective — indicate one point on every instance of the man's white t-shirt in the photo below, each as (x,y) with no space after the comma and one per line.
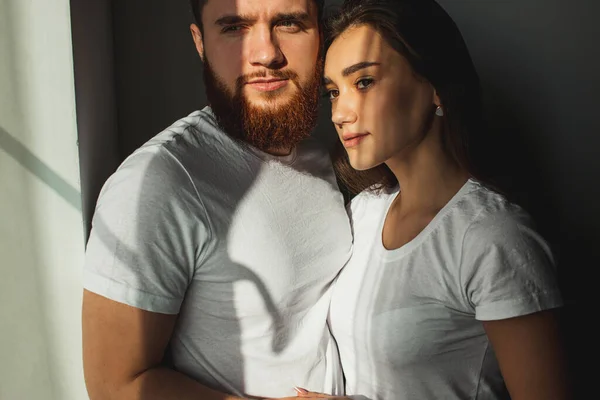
(408,321)
(244,246)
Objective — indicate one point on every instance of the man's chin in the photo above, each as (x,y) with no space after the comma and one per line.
(269,103)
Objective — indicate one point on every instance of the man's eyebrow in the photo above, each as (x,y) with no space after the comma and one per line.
(232,19)
(298,16)
(357,67)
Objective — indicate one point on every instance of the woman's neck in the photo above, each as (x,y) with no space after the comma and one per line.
(427,175)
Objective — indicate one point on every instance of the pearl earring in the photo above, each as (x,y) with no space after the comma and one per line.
(439,111)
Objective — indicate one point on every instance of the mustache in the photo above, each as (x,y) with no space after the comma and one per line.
(278,74)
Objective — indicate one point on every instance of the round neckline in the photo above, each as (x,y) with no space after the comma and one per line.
(263,156)
(395,254)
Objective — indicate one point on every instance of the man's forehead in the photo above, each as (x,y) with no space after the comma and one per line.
(257,8)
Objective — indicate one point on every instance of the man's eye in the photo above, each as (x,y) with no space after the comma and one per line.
(232,29)
(290,25)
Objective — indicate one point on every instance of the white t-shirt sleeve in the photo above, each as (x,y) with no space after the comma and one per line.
(147,234)
(507,269)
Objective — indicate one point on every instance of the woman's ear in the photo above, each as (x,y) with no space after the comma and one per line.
(436,99)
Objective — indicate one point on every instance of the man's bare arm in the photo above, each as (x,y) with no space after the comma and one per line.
(123,348)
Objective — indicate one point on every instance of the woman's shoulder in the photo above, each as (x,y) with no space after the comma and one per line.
(507,269)
(491,221)
(488,210)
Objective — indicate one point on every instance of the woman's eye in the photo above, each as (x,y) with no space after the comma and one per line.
(364,83)
(332,94)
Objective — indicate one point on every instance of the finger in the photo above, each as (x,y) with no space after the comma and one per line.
(301,391)
(315,395)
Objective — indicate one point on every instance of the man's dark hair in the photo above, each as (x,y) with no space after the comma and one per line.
(198,5)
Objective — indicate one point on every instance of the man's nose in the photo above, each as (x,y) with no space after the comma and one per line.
(263,49)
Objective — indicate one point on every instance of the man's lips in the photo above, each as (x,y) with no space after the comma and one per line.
(267,84)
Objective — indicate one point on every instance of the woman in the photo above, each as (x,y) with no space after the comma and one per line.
(450,292)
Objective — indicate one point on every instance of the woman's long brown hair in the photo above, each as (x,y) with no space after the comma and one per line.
(422,32)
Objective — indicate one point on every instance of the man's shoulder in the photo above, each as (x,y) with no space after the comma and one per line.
(159,165)
(190,132)
(189,139)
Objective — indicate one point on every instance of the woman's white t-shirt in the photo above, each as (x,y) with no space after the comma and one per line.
(408,321)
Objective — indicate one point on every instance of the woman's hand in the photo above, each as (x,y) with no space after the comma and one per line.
(312,395)
(305,394)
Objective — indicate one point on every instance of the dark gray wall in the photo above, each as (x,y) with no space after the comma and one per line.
(93,59)
(159,74)
(538,61)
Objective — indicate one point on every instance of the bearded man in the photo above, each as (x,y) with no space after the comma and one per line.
(214,246)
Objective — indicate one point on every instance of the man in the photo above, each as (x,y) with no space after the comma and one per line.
(214,245)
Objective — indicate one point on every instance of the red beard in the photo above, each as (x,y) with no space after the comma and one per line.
(281,127)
